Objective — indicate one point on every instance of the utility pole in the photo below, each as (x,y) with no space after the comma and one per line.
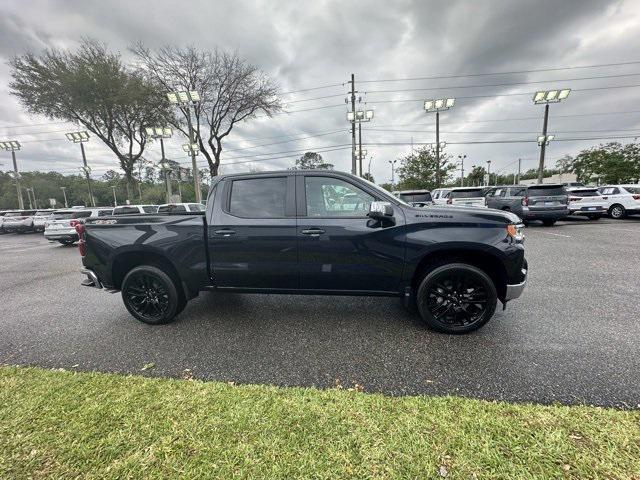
(393,173)
(115,199)
(543,144)
(29,198)
(462,157)
(86,172)
(17,175)
(437,149)
(488,172)
(360,147)
(353,124)
(64,194)
(519,170)
(189,99)
(436,106)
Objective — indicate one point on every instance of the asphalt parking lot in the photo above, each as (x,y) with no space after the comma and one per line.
(574,336)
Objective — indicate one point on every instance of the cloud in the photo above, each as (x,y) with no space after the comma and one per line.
(304,45)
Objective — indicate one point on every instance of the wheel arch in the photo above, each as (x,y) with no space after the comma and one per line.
(488,262)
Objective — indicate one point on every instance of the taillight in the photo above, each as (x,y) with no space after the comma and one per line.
(82,245)
(605,198)
(636,197)
(574,199)
(74,223)
(525,201)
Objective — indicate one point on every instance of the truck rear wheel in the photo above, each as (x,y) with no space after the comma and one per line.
(151,295)
(456,298)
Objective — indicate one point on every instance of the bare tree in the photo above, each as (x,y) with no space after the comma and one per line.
(231,90)
(91,87)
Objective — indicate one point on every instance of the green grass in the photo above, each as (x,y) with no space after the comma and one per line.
(58,424)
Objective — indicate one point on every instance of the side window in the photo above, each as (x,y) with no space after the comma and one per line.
(518,192)
(103,213)
(436,194)
(82,214)
(332,197)
(501,192)
(259,197)
(195,207)
(125,210)
(150,209)
(491,193)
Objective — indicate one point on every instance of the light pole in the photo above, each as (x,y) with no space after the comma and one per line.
(81,137)
(519,169)
(393,172)
(437,106)
(115,199)
(488,173)
(546,97)
(359,117)
(162,133)
(462,157)
(13,146)
(193,149)
(64,194)
(187,99)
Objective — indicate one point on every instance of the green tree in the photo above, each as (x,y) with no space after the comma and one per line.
(418,170)
(91,87)
(610,163)
(368,176)
(312,161)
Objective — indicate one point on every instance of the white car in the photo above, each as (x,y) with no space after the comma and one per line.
(467,197)
(40,219)
(135,209)
(586,201)
(621,199)
(62,226)
(439,196)
(18,221)
(181,207)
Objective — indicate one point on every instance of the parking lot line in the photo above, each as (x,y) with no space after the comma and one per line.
(556,234)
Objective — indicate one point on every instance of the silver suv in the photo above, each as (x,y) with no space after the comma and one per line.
(546,202)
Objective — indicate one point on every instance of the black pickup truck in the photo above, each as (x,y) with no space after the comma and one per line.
(311,232)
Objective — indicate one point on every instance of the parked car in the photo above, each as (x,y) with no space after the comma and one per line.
(507,198)
(573,184)
(135,209)
(621,199)
(181,208)
(61,227)
(40,219)
(417,198)
(290,232)
(547,202)
(18,221)
(467,197)
(439,196)
(587,201)
(2,214)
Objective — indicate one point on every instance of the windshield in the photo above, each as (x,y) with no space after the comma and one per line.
(474,193)
(384,193)
(545,190)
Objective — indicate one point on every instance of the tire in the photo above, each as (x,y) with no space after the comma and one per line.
(594,217)
(506,209)
(454,286)
(548,223)
(151,295)
(67,242)
(617,211)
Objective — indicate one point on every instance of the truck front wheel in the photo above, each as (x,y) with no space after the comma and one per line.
(151,295)
(456,298)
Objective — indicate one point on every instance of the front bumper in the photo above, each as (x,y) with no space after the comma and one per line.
(516,289)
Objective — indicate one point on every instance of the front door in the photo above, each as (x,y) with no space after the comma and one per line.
(252,234)
(337,249)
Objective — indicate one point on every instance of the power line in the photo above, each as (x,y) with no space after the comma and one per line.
(465,75)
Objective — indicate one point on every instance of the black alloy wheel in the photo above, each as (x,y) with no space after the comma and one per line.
(456,298)
(150,295)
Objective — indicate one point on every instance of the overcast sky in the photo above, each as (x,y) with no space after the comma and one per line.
(304,45)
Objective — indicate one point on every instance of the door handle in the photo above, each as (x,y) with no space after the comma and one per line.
(314,232)
(225,233)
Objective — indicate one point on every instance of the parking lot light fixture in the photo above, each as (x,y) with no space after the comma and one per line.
(188,99)
(82,137)
(545,97)
(13,146)
(545,139)
(161,133)
(436,106)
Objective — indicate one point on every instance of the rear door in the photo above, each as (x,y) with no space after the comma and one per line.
(338,251)
(252,233)
(547,198)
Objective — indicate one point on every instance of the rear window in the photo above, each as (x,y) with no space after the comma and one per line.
(415,197)
(150,209)
(82,214)
(171,208)
(63,215)
(103,213)
(125,210)
(42,214)
(471,193)
(196,207)
(585,193)
(545,190)
(13,214)
(632,189)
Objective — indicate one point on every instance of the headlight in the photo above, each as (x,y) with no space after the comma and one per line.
(516,232)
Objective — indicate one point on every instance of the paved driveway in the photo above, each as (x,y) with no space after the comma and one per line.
(573,337)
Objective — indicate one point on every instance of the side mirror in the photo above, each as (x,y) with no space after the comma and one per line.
(380,210)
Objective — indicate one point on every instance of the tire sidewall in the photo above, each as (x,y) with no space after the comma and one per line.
(431,322)
(161,276)
(621,209)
